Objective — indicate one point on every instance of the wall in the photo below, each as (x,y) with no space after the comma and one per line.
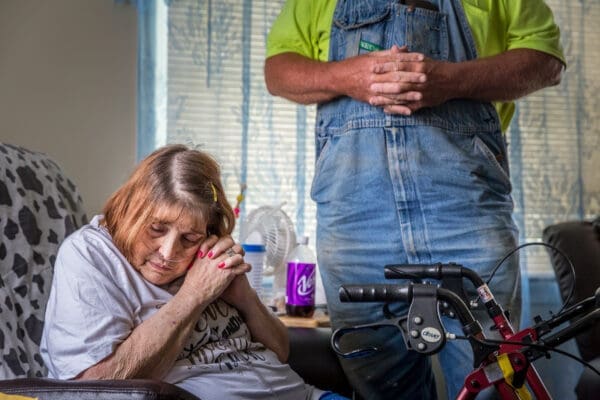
(68,87)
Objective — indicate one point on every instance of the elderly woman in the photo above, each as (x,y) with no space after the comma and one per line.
(156,288)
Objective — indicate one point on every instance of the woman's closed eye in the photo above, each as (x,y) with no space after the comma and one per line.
(158,229)
(193,238)
(188,237)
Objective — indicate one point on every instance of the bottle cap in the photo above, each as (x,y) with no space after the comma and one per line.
(253,248)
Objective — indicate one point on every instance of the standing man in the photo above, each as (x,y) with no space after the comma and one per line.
(413,99)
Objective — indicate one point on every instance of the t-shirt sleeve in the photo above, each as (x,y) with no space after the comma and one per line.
(85,320)
(289,32)
(531,25)
(303,27)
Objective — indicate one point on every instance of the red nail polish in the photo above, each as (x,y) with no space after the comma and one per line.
(210,254)
(200,254)
(221,265)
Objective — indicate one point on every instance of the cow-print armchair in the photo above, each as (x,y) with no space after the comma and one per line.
(39,207)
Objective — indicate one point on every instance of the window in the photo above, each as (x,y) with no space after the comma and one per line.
(201,82)
(554,137)
(208,59)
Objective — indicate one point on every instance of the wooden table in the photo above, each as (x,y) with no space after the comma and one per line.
(319,319)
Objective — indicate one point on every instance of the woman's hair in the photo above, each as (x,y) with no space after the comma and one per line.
(172,177)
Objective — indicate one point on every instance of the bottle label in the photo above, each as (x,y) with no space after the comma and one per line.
(301,284)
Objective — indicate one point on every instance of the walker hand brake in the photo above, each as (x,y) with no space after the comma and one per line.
(390,320)
(421,329)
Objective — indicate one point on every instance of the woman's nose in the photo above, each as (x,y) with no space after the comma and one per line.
(169,247)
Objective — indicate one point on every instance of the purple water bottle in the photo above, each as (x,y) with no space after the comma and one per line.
(301,281)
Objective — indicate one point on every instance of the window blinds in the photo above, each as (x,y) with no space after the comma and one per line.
(554,139)
(216,98)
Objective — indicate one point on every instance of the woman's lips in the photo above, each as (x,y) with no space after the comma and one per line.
(159,266)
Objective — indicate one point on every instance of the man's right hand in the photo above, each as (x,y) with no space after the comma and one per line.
(307,81)
(395,68)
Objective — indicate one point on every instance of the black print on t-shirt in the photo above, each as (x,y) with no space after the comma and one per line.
(232,326)
(219,337)
(233,360)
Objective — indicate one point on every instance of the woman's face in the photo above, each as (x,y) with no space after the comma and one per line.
(168,246)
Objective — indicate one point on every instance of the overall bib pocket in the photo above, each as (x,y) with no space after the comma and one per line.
(363,27)
(373,26)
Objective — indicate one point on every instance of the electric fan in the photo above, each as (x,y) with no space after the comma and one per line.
(276,230)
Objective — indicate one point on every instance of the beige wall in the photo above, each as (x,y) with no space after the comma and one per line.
(68,87)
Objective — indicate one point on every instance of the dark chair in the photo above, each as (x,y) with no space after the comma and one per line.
(53,389)
(580,241)
(312,358)
(39,207)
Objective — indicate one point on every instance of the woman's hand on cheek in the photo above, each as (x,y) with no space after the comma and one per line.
(206,247)
(223,248)
(213,270)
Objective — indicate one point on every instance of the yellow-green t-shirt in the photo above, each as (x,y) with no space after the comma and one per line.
(304,26)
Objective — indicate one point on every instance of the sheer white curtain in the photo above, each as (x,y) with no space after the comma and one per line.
(201,82)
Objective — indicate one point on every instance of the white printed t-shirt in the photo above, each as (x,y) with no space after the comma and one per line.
(97,298)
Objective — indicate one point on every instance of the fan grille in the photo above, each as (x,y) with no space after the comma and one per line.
(277,232)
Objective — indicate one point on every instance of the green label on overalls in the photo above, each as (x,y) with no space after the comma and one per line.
(368,46)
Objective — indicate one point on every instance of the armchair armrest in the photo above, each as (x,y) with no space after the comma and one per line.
(588,386)
(310,356)
(53,389)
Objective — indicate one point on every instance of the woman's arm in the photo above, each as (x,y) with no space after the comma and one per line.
(153,346)
(264,326)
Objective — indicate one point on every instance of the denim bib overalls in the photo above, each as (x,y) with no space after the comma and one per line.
(430,187)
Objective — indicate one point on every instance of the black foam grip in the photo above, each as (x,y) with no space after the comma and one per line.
(412,271)
(375,293)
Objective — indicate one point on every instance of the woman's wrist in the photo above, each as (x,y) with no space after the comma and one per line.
(191,298)
(250,304)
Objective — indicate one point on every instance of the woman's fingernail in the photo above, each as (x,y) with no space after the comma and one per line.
(221,265)
(210,254)
(200,254)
